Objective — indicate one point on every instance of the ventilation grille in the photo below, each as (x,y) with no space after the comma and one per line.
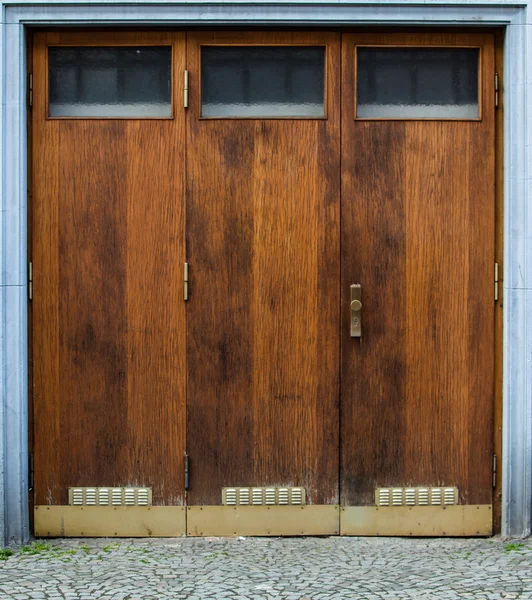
(421,496)
(263,496)
(105,496)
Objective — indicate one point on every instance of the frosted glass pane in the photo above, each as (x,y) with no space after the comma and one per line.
(416,83)
(262,81)
(110,81)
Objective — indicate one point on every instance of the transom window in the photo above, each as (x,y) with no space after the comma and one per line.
(417,83)
(262,81)
(122,81)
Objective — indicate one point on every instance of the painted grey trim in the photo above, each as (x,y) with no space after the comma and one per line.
(3,311)
(299,14)
(517,395)
(517,382)
(14,289)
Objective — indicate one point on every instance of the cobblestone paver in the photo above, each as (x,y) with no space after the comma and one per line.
(265,568)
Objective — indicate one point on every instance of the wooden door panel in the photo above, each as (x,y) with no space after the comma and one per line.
(418,234)
(263,247)
(109,320)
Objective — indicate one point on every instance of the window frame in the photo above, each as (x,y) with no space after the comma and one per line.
(112,44)
(323,117)
(424,47)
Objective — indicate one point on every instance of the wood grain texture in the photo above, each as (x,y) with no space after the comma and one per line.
(270,267)
(499,252)
(418,234)
(45,306)
(29,166)
(109,320)
(263,244)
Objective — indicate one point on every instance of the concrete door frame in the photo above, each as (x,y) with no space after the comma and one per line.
(515,17)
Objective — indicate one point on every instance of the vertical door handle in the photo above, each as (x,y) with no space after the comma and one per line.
(356,310)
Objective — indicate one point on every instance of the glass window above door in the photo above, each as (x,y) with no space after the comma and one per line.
(110,82)
(417,83)
(263,81)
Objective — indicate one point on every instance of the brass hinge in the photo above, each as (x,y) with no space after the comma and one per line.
(30,90)
(30,280)
(185,90)
(30,473)
(186,472)
(496,90)
(496,280)
(494,471)
(185,282)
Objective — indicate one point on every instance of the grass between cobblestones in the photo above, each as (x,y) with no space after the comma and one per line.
(268,569)
(44,549)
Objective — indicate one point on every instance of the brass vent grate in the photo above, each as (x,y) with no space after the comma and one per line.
(109,496)
(418,496)
(263,496)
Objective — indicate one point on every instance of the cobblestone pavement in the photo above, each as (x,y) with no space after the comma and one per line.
(266,568)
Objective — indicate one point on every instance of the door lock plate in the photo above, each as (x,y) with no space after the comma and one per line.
(356,310)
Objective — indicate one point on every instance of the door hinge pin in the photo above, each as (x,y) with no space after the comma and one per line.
(31,471)
(30,280)
(185,90)
(496,279)
(185,282)
(30,90)
(494,471)
(496,90)
(186,472)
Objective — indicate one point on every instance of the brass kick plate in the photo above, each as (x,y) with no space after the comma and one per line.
(230,521)
(110,521)
(438,521)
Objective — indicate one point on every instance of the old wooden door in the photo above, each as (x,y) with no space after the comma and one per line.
(305,163)
(418,236)
(263,207)
(108,250)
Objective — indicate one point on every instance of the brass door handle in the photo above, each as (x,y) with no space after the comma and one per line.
(356,310)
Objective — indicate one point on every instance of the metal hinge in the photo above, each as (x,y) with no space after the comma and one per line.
(494,471)
(30,280)
(185,90)
(496,90)
(30,473)
(30,90)
(185,282)
(496,280)
(186,472)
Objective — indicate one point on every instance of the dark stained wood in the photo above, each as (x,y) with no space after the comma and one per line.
(418,234)
(263,245)
(499,251)
(156,308)
(45,306)
(92,301)
(109,318)
(258,356)
(29,138)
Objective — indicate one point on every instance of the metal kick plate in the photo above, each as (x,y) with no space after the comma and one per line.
(110,521)
(230,521)
(437,521)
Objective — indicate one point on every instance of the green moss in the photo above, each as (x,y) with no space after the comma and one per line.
(5,553)
(514,547)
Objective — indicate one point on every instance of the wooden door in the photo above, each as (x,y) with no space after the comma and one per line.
(108,252)
(263,207)
(418,235)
